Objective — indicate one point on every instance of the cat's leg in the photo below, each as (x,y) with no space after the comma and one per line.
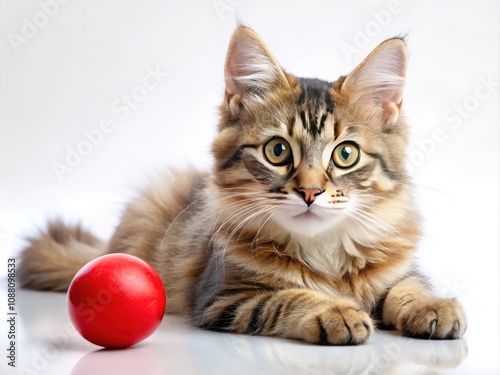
(411,308)
(290,313)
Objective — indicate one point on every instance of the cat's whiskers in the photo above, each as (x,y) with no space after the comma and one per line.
(269,208)
(235,217)
(243,207)
(177,217)
(366,218)
(255,239)
(248,205)
(231,219)
(243,223)
(231,205)
(257,191)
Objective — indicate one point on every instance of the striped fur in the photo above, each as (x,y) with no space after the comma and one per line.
(308,249)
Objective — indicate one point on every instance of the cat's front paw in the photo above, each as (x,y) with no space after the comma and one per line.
(341,323)
(433,318)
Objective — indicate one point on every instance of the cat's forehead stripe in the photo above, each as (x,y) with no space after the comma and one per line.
(315,90)
(314,105)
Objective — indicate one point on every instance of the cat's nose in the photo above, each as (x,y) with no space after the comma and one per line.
(309,195)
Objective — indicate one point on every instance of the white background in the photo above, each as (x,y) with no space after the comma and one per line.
(64,77)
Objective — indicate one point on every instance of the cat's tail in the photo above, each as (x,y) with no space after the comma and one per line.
(51,260)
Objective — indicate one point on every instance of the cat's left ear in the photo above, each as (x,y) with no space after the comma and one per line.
(250,70)
(377,83)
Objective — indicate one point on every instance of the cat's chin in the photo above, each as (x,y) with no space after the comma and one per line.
(308,223)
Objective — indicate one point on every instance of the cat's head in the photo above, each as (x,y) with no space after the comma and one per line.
(306,154)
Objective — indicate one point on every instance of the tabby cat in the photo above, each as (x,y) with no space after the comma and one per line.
(305,228)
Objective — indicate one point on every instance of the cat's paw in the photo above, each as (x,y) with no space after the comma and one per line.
(341,323)
(433,318)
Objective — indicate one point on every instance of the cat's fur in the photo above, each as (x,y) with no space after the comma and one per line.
(306,250)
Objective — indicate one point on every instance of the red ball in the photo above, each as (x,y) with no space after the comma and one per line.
(116,300)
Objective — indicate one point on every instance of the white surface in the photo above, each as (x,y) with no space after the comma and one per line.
(49,345)
(66,77)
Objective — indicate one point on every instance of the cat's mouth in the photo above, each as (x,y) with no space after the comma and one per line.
(308,222)
(322,215)
(308,214)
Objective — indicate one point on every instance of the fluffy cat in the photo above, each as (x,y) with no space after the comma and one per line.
(305,228)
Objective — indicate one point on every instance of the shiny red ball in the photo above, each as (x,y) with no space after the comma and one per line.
(116,300)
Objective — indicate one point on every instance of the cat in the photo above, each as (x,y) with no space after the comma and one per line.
(305,228)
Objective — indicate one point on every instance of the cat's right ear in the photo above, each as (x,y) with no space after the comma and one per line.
(250,69)
(376,85)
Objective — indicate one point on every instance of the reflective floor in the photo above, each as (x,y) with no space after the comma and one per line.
(48,344)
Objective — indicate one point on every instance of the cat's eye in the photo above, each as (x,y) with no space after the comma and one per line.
(278,152)
(346,155)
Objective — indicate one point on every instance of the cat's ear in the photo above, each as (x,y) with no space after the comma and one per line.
(250,68)
(377,83)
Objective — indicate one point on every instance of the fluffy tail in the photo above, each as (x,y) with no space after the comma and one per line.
(51,260)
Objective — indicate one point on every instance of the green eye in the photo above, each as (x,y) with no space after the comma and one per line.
(346,155)
(278,152)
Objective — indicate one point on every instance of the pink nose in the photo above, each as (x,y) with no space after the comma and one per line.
(309,194)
